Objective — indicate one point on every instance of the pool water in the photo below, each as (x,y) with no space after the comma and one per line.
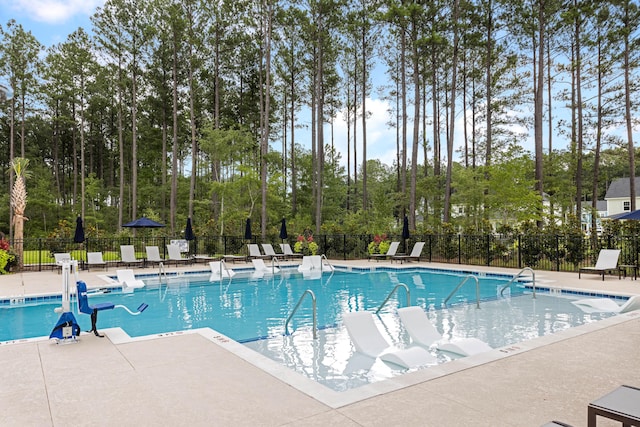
(252,310)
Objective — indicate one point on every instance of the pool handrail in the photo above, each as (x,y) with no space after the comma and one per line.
(467,277)
(323,256)
(399,285)
(517,276)
(315,322)
(274,262)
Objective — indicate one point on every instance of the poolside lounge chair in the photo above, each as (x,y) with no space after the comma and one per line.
(61,258)
(607,261)
(269,251)
(254,252)
(607,305)
(393,248)
(260,266)
(310,262)
(175,256)
(94,259)
(368,340)
(128,280)
(414,255)
(128,255)
(153,255)
(288,253)
(422,332)
(220,271)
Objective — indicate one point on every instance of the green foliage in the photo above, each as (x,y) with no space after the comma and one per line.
(305,245)
(379,245)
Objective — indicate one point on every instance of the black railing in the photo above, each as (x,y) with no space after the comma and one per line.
(544,252)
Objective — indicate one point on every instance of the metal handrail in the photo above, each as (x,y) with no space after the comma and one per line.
(517,276)
(315,323)
(467,277)
(328,263)
(399,285)
(274,262)
(161,272)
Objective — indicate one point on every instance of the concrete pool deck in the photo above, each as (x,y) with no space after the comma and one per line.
(189,379)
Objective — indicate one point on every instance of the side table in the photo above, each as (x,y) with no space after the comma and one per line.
(622,404)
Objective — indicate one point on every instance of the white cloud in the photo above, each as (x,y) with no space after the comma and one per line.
(53,11)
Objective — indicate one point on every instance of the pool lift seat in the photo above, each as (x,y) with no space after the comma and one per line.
(92,310)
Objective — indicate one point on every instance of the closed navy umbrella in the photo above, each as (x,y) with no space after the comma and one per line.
(78,237)
(188,231)
(247,230)
(283,229)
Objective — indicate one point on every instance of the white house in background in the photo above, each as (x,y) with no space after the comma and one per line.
(618,196)
(601,212)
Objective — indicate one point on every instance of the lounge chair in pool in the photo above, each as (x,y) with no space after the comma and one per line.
(368,340)
(128,256)
(414,255)
(269,251)
(254,252)
(260,266)
(220,271)
(607,261)
(288,253)
(607,305)
(128,280)
(175,256)
(94,259)
(311,262)
(393,248)
(422,332)
(153,255)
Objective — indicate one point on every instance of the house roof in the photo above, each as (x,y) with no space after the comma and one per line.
(601,206)
(620,188)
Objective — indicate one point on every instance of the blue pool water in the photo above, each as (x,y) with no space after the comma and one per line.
(253,311)
(248,309)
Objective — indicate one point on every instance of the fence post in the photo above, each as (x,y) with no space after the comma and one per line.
(459,249)
(488,250)
(557,253)
(519,251)
(40,254)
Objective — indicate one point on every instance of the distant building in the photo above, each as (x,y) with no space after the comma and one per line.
(618,196)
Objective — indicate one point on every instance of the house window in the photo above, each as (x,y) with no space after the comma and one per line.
(627,206)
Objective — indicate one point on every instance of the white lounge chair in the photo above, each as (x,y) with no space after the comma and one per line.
(260,266)
(175,256)
(310,262)
(269,251)
(128,255)
(422,332)
(414,255)
(60,259)
(94,259)
(128,280)
(607,305)
(607,261)
(153,255)
(220,271)
(393,248)
(288,253)
(368,340)
(254,252)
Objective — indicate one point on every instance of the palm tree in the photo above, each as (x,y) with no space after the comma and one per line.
(19,203)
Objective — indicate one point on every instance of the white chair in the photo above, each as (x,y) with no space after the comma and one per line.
(128,255)
(368,340)
(128,281)
(94,259)
(607,261)
(310,262)
(393,248)
(422,332)
(269,251)
(260,266)
(607,305)
(220,271)
(414,255)
(175,256)
(60,259)
(254,252)
(288,253)
(153,255)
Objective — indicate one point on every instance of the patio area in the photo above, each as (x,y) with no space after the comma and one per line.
(195,379)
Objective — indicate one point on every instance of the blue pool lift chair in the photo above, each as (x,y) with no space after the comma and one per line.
(92,310)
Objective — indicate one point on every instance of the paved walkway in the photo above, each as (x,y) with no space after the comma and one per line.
(199,380)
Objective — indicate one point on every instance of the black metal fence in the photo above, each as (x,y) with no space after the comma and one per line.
(545,252)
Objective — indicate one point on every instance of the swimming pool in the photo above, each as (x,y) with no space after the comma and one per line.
(253,311)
